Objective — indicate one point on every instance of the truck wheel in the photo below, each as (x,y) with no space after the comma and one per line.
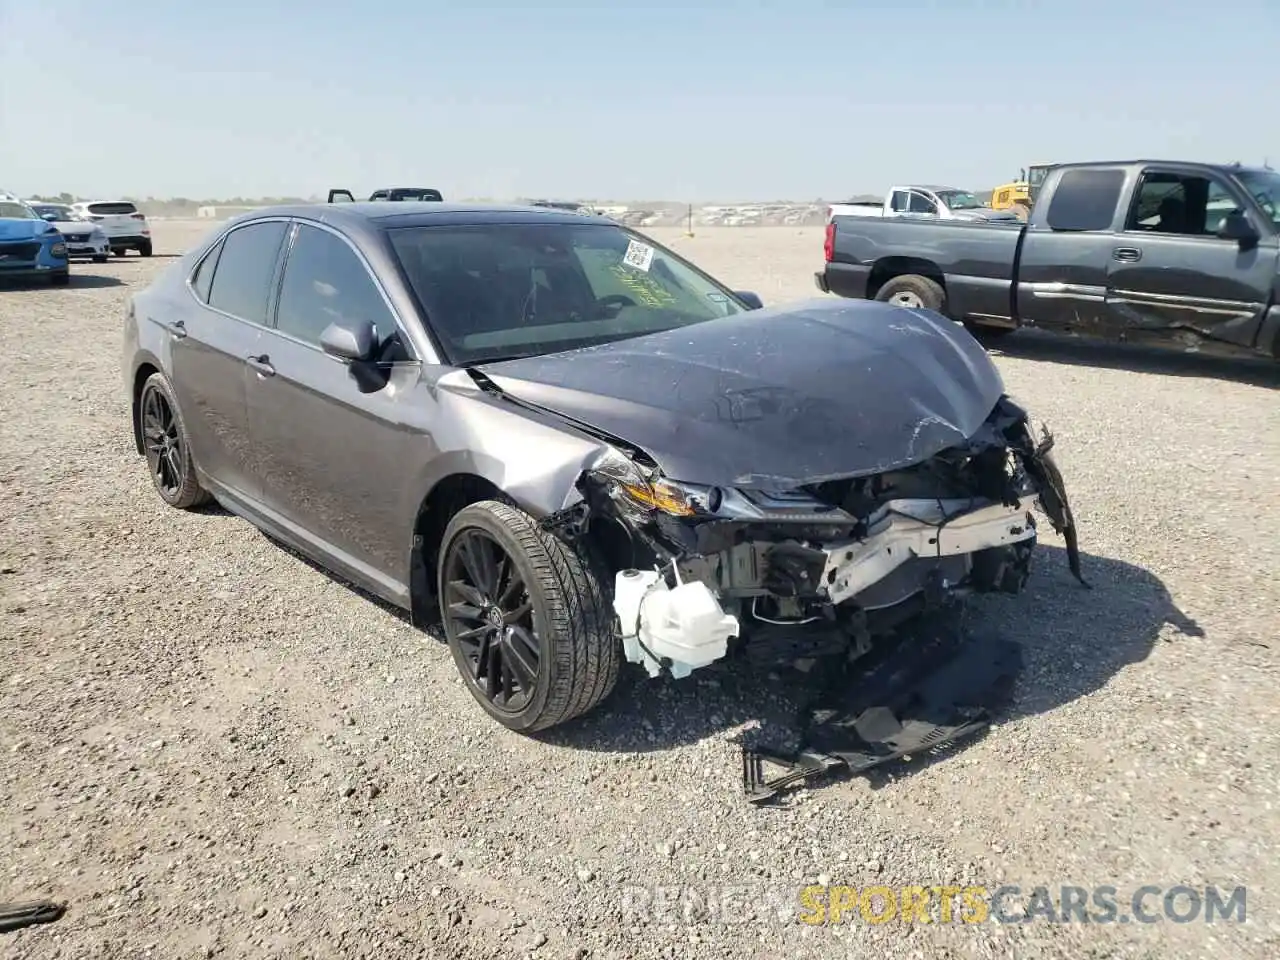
(526,619)
(1022,210)
(914,291)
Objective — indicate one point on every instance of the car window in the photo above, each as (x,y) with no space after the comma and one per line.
(203,277)
(112,208)
(241,283)
(16,211)
(508,290)
(1085,200)
(898,203)
(326,282)
(922,204)
(1187,205)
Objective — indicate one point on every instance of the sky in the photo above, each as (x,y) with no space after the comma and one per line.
(691,101)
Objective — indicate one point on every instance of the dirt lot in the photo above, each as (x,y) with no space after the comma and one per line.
(212,748)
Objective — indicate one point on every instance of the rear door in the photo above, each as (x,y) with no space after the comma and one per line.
(1171,272)
(329,437)
(232,284)
(1066,251)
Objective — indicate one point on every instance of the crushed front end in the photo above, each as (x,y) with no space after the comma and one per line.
(787,576)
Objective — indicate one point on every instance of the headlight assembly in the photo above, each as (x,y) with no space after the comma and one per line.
(636,491)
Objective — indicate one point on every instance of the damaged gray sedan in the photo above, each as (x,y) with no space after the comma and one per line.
(573,448)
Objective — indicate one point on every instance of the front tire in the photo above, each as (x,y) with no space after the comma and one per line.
(167,446)
(914,292)
(525,617)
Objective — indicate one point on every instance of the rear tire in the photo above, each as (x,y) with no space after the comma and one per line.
(566,614)
(167,446)
(914,292)
(145,248)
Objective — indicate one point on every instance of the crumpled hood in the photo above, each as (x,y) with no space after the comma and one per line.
(776,398)
(13,229)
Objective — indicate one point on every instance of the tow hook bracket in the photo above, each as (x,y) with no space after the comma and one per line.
(930,690)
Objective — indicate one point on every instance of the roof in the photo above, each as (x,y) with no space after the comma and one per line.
(1196,165)
(411,213)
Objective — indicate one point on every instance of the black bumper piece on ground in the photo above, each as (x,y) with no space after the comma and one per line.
(929,689)
(16,916)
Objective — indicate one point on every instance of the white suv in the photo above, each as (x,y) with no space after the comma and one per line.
(124,224)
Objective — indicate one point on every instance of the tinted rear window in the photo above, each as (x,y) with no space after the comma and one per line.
(108,209)
(245,268)
(1085,200)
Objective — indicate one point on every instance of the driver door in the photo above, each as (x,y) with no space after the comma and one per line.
(329,444)
(1177,274)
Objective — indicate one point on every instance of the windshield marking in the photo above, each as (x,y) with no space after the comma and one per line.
(645,287)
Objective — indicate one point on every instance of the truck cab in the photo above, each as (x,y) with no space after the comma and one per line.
(389,194)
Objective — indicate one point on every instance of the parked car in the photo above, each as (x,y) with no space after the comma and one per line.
(943,203)
(30,246)
(575,448)
(1164,252)
(393,194)
(124,224)
(83,237)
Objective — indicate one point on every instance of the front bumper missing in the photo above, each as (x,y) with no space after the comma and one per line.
(682,626)
(907,529)
(938,686)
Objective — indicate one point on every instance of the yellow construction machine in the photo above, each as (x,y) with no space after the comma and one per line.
(1020,195)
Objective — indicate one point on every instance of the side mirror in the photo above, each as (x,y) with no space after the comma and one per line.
(1236,226)
(752,300)
(350,344)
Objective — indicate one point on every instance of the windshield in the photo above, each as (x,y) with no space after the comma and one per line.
(959,199)
(11,210)
(52,210)
(516,290)
(1265,187)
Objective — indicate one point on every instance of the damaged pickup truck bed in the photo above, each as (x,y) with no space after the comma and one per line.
(573,448)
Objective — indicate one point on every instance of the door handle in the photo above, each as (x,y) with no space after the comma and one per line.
(176,329)
(1126,254)
(262,363)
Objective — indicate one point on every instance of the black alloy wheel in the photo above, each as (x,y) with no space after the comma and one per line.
(491,620)
(529,627)
(164,440)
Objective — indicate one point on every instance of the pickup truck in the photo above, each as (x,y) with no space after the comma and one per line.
(389,193)
(1168,253)
(916,201)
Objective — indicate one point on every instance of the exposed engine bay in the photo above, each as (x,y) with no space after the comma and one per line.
(823,569)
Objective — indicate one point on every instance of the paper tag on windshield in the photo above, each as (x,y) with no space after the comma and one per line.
(638,255)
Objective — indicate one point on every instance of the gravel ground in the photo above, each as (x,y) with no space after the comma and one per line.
(212,748)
